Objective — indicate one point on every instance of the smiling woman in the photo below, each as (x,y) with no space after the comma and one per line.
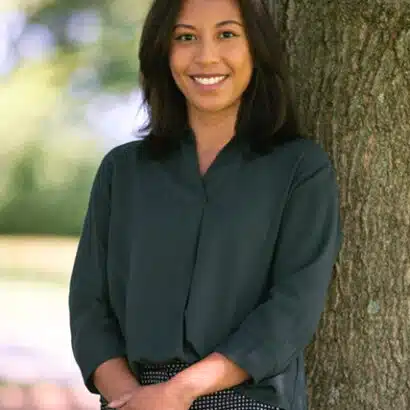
(208,246)
(211,65)
(211,57)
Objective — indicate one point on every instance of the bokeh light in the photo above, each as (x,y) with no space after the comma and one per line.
(69,93)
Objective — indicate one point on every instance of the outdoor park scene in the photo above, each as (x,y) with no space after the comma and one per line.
(69,93)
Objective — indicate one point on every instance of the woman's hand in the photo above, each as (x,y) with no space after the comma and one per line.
(161,396)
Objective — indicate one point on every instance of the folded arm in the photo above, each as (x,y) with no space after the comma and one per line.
(96,337)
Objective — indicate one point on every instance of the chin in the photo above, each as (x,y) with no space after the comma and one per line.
(213,108)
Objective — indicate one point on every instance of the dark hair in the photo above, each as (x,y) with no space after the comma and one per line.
(266,111)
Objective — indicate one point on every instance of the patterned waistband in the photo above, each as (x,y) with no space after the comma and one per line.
(174,364)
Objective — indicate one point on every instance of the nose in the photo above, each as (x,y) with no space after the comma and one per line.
(207,52)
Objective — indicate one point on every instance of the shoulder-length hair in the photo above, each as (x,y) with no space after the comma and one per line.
(266,113)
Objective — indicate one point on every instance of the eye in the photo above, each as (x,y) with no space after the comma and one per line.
(185,37)
(227,34)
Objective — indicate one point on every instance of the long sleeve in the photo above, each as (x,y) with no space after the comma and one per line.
(95,334)
(308,243)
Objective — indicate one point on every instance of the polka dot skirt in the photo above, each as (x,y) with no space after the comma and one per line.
(228,399)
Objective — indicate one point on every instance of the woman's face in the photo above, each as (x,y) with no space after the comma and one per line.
(210,58)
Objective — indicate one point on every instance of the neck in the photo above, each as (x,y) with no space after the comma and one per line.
(213,131)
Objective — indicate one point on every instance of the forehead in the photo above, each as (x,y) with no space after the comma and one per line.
(211,11)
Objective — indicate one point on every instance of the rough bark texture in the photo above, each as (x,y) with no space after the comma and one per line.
(350,61)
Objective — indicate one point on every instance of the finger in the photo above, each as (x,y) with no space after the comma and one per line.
(116,404)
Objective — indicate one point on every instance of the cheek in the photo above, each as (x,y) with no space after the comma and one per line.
(173,63)
(178,62)
(247,62)
(241,61)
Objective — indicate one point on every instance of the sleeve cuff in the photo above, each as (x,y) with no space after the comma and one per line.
(90,356)
(249,361)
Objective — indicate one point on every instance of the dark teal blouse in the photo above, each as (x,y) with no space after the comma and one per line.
(173,265)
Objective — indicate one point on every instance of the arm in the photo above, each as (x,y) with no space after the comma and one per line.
(307,247)
(96,338)
(283,325)
(114,379)
(213,373)
(209,375)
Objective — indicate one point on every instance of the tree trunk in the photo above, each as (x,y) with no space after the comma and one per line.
(350,64)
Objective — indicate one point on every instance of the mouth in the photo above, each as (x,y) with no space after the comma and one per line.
(209,80)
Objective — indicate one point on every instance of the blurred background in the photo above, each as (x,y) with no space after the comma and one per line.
(68,94)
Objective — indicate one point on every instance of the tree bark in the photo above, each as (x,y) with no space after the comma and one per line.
(350,65)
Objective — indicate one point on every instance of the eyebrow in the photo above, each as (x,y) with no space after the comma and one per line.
(220,24)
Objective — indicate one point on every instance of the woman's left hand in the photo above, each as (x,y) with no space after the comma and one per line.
(171,395)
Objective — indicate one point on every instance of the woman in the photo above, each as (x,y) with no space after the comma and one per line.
(208,247)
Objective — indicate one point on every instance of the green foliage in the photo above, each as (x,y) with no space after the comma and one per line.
(46,198)
(46,171)
(115,52)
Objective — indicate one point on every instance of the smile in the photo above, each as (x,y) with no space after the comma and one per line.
(209,80)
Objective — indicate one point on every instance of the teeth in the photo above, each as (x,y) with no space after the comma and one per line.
(209,81)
